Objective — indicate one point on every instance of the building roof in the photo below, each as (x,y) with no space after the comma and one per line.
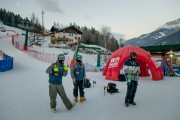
(162,48)
(71,27)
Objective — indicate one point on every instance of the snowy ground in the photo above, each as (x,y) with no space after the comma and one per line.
(24,95)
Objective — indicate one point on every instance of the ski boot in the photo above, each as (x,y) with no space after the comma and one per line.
(73,104)
(53,110)
(75,99)
(127,104)
(133,103)
(82,99)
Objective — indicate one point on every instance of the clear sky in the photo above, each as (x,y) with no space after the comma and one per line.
(131,18)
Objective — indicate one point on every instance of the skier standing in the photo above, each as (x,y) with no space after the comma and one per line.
(78,75)
(132,70)
(56,71)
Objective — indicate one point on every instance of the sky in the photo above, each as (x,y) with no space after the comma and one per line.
(130,18)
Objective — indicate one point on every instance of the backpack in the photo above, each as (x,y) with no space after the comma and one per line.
(122,77)
(111,88)
(87,83)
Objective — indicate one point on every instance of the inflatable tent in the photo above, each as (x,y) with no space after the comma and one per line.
(145,59)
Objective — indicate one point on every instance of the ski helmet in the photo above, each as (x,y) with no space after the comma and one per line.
(61,57)
(133,54)
(79,56)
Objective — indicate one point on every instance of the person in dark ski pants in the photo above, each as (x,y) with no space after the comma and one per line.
(56,71)
(132,70)
(78,75)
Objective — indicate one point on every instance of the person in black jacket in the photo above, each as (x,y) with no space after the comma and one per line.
(78,75)
(132,70)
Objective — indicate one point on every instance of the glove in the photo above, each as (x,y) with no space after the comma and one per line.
(65,68)
(136,73)
(129,82)
(55,71)
(74,81)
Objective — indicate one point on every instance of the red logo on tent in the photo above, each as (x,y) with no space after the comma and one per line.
(114,62)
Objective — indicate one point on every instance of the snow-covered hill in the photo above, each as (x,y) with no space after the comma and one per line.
(158,36)
(169,25)
(24,95)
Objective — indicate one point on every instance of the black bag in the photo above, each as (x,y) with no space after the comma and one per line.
(111,88)
(122,77)
(87,83)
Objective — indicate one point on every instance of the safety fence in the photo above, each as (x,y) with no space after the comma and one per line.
(7,34)
(6,62)
(18,42)
(176,69)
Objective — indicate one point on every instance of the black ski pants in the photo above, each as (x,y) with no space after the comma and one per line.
(79,84)
(131,91)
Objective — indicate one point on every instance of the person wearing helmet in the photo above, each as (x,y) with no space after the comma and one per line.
(56,71)
(132,70)
(78,75)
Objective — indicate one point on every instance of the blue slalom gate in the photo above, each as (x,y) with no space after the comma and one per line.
(6,63)
(176,69)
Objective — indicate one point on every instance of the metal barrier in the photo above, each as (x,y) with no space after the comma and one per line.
(6,63)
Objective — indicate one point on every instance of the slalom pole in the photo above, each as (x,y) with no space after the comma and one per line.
(105,90)
(94,82)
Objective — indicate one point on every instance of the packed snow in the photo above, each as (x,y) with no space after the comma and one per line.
(24,94)
(143,36)
(161,34)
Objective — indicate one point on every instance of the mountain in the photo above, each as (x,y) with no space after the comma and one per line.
(168,40)
(165,35)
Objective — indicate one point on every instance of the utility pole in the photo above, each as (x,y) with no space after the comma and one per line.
(43,23)
(106,52)
(42,19)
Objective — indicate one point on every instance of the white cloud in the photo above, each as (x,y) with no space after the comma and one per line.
(49,5)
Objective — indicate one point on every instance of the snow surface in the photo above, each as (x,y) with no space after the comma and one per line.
(144,36)
(24,95)
(161,34)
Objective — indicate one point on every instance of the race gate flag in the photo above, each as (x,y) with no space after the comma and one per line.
(114,62)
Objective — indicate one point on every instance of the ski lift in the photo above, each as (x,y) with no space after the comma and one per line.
(83,46)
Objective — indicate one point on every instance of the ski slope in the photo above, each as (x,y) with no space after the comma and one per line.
(24,95)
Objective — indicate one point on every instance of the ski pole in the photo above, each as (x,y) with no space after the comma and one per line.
(104,90)
(94,82)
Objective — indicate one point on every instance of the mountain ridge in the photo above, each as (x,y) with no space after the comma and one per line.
(159,36)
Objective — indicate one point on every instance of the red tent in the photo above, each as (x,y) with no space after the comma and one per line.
(145,59)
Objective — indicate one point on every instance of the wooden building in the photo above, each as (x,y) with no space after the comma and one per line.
(69,36)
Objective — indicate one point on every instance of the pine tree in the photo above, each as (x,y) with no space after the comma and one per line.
(12,20)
